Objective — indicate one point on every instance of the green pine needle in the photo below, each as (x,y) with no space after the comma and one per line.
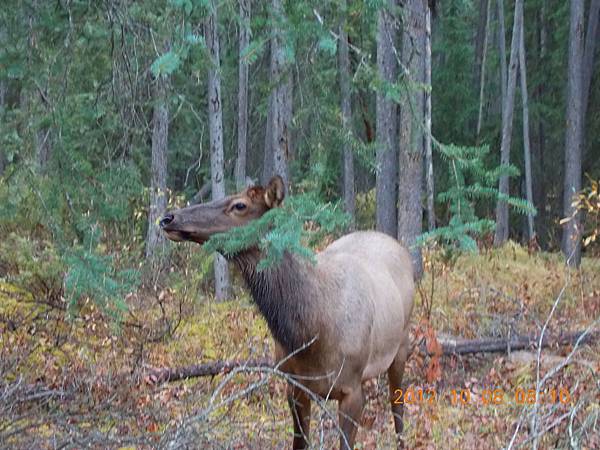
(299,224)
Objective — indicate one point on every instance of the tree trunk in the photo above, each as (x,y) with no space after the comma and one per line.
(242,126)
(281,100)
(268,155)
(480,37)
(482,67)
(502,49)
(410,209)
(591,38)
(571,242)
(215,123)
(526,141)
(539,159)
(3,91)
(43,147)
(42,135)
(155,240)
(507,124)
(428,149)
(386,135)
(345,94)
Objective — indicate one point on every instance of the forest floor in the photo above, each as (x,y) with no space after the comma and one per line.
(74,382)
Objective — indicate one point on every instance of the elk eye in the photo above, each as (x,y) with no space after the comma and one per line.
(240,206)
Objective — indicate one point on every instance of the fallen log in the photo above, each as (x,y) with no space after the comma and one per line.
(504,345)
(449,347)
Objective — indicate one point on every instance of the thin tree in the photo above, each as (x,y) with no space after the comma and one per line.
(507,124)
(480,36)
(428,149)
(386,112)
(280,109)
(412,124)
(571,242)
(346,107)
(215,124)
(242,125)
(483,60)
(158,178)
(502,51)
(526,140)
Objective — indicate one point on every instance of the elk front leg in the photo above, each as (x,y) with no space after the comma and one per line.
(299,403)
(351,406)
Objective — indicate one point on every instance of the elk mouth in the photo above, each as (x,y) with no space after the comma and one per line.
(180,236)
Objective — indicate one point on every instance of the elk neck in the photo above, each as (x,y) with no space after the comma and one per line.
(286,294)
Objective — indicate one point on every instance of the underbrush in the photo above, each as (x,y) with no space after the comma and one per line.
(74,381)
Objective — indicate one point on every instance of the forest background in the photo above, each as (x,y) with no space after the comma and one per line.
(454,125)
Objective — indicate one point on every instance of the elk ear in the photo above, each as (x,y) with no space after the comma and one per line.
(274,192)
(256,193)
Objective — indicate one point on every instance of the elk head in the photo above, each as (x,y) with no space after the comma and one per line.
(199,222)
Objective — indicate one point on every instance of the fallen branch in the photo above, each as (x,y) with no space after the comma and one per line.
(166,374)
(449,347)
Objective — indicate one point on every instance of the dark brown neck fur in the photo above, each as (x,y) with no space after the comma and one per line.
(285,295)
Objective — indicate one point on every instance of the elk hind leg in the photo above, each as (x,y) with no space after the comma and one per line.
(395,375)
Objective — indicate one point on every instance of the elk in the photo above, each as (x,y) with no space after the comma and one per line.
(353,306)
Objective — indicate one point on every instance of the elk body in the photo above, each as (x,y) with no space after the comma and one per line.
(353,307)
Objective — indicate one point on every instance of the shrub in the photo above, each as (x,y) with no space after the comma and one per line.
(365,210)
(588,202)
(34,266)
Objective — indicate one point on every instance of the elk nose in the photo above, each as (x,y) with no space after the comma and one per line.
(166,220)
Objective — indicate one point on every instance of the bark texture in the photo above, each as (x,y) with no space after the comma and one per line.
(155,240)
(346,108)
(386,117)
(242,126)
(412,124)
(501,234)
(571,242)
(215,124)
